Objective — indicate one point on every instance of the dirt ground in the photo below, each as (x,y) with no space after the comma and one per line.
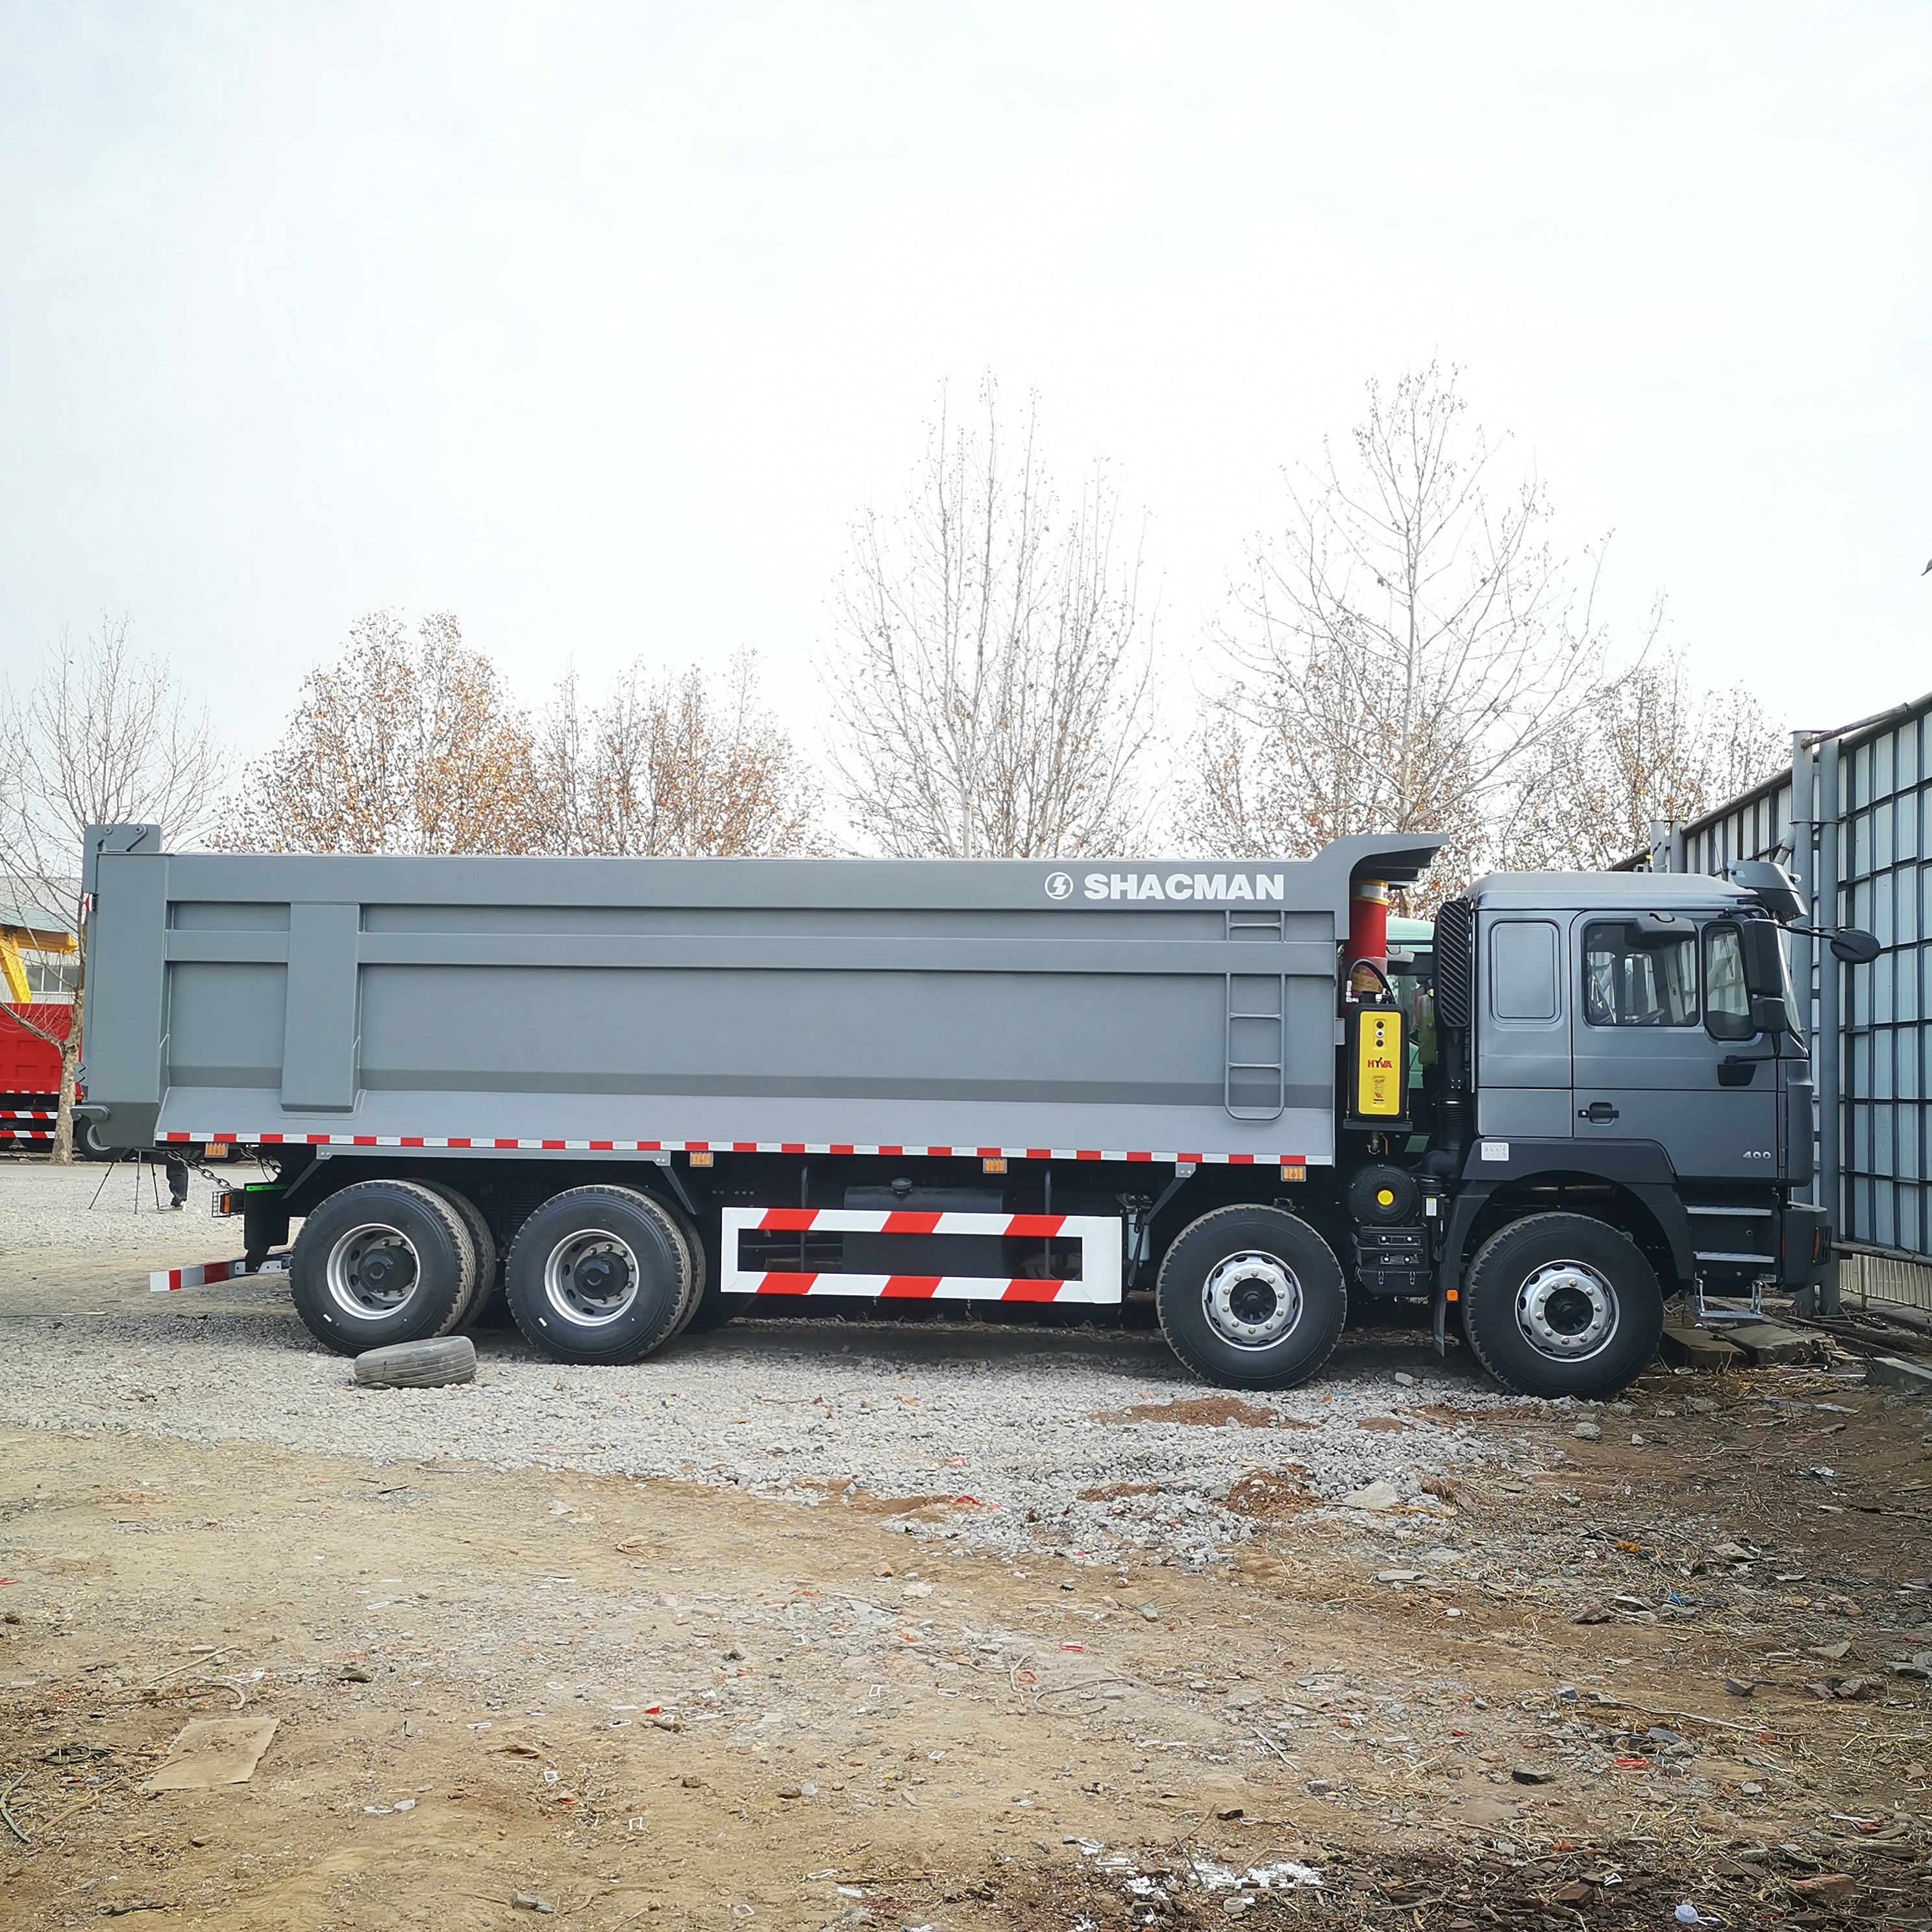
(662,1704)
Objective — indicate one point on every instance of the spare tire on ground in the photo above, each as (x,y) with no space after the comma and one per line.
(425,1364)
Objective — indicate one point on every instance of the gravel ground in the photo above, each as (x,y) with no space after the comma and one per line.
(1012,1434)
(91,1206)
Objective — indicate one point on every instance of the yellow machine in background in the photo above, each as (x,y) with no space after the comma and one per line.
(16,939)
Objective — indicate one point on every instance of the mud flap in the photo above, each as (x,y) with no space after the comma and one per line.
(1442,1322)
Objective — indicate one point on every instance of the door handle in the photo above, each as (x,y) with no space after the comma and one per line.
(1599,1111)
(1738,1069)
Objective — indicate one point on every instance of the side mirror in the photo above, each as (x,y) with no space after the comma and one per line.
(1854,947)
(1769,1015)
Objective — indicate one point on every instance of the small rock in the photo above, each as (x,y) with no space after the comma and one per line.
(692,1784)
(1318,1787)
(1588,1432)
(1227,1813)
(734,1655)
(791,1791)
(1833,1888)
(925,1589)
(1738,1687)
(354,1673)
(1577,1892)
(1700,1405)
(1831,1652)
(1235,1907)
(1751,1789)
(528,1901)
(1636,1441)
(1398,1576)
(1149,1611)
(1403,1379)
(1379,1495)
(1526,1774)
(197,1841)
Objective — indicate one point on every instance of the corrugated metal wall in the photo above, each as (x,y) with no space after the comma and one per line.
(1853,819)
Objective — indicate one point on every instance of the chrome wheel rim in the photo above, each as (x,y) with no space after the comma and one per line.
(373,1271)
(591,1278)
(1567,1311)
(1251,1300)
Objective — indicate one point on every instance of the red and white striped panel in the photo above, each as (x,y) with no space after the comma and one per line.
(908,1151)
(166,1281)
(1099,1237)
(48,1114)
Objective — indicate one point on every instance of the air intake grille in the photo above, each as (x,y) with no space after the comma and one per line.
(1455,964)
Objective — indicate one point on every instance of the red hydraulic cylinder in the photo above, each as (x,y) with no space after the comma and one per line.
(1368,933)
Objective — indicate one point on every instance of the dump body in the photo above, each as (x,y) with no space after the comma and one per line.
(1171,1008)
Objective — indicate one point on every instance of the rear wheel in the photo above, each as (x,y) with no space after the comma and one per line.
(1251,1298)
(715,1307)
(702,1272)
(380,1262)
(598,1274)
(481,1282)
(1559,1304)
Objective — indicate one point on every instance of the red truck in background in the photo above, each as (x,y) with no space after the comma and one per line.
(30,1072)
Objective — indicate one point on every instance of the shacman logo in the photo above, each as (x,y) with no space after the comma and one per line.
(1211,887)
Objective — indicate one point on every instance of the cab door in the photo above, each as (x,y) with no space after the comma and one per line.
(1663,1046)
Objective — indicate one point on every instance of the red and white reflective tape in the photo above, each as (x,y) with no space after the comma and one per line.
(1099,1237)
(27,1114)
(166,1281)
(27,1136)
(906,1151)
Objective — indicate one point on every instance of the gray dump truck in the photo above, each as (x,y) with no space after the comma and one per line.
(639,1095)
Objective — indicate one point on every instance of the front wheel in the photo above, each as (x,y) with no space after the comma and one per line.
(1559,1304)
(1251,1298)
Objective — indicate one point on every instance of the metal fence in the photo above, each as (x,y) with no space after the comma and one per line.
(1853,818)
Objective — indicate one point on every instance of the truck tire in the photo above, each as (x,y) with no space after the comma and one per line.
(715,1307)
(431,1364)
(598,1274)
(1560,1304)
(379,1262)
(480,1281)
(702,1272)
(1251,1298)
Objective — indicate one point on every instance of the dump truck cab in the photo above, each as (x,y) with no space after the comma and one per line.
(1614,1055)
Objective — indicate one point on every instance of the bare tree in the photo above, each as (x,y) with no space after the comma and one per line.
(667,766)
(1649,744)
(1403,645)
(405,745)
(105,737)
(990,680)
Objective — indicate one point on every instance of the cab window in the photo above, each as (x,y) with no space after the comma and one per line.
(1634,978)
(1726,988)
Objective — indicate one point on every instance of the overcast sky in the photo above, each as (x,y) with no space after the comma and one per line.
(595,325)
